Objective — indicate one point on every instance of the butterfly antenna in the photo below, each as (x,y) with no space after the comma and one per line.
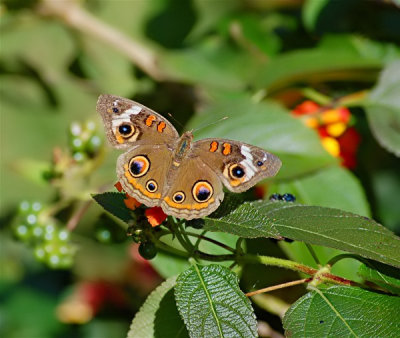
(210,124)
(177,122)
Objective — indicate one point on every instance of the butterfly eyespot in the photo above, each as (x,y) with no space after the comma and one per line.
(126,130)
(151,186)
(115,110)
(139,165)
(178,197)
(260,163)
(236,171)
(202,191)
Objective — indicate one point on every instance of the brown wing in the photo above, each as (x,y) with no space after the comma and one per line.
(128,123)
(239,165)
(142,172)
(193,190)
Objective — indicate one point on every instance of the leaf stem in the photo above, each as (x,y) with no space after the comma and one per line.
(313,254)
(322,275)
(279,286)
(208,239)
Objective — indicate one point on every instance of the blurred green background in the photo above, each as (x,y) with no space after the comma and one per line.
(199,60)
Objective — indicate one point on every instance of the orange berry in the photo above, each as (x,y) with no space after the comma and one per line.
(306,107)
(311,122)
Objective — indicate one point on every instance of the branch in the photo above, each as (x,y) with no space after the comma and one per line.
(73,15)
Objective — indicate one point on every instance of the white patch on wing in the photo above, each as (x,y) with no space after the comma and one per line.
(247,163)
(118,119)
(133,110)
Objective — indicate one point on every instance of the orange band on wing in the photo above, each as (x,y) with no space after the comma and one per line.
(213,146)
(138,186)
(227,149)
(196,206)
(150,120)
(161,126)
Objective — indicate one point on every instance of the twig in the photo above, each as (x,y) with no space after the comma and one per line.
(279,286)
(72,14)
(77,216)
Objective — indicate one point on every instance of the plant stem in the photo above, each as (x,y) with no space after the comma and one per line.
(313,254)
(208,239)
(73,15)
(324,275)
(279,286)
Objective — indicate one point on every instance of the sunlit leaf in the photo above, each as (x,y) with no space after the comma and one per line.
(212,305)
(341,311)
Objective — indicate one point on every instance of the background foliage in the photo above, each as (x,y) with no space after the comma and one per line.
(64,261)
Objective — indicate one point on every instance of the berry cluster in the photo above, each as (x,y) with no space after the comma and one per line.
(84,141)
(50,243)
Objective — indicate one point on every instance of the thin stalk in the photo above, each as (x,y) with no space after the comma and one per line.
(208,239)
(313,254)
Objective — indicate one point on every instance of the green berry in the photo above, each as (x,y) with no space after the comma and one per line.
(22,232)
(103,235)
(147,250)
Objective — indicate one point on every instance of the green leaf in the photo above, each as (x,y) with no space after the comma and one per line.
(383,109)
(315,225)
(333,187)
(168,265)
(267,125)
(212,305)
(353,58)
(341,311)
(310,12)
(158,316)
(116,78)
(113,202)
(385,276)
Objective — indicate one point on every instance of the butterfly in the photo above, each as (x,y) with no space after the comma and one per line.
(183,177)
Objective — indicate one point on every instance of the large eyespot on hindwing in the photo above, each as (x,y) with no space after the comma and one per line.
(236,171)
(151,186)
(126,130)
(179,197)
(202,191)
(139,165)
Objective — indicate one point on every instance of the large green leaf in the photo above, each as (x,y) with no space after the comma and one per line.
(383,109)
(385,276)
(333,187)
(352,58)
(341,311)
(315,225)
(158,316)
(212,305)
(267,125)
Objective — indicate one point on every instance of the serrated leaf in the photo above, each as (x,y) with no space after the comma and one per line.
(212,305)
(341,311)
(113,202)
(383,109)
(315,225)
(158,316)
(385,276)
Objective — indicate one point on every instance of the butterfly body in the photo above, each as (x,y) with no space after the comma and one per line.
(183,177)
